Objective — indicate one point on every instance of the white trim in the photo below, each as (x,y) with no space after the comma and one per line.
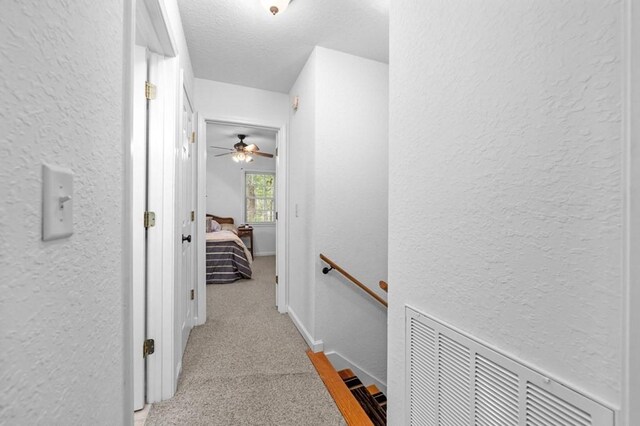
(340,362)
(630,413)
(315,345)
(160,298)
(264,253)
(282,224)
(129,32)
(201,212)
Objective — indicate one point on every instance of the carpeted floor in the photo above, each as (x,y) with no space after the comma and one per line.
(247,365)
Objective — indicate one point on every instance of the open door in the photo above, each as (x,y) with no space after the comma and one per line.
(187,272)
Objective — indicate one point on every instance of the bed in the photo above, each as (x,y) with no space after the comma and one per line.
(228,259)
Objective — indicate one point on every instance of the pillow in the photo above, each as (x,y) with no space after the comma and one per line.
(229,227)
(215,226)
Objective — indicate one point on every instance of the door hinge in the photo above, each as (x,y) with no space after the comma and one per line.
(193,137)
(276,279)
(193,215)
(276,215)
(149,90)
(193,294)
(149,219)
(148,347)
(276,152)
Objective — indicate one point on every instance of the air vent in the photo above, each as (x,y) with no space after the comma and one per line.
(453,380)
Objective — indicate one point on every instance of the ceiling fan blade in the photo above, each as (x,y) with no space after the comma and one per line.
(221,155)
(252,147)
(219,147)
(262,154)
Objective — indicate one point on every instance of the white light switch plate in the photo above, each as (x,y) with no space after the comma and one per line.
(57,202)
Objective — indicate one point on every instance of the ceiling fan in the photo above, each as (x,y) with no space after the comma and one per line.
(243,152)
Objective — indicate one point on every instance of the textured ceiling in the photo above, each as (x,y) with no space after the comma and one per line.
(239,42)
(226,136)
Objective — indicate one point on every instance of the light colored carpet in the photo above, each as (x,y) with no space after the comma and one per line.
(247,364)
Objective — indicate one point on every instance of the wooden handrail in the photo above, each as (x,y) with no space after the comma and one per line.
(353,280)
(385,286)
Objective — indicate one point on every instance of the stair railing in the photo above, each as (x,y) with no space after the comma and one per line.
(334,265)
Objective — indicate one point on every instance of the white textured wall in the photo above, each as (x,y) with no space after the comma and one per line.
(505,182)
(338,184)
(225,180)
(215,100)
(61,307)
(351,190)
(302,139)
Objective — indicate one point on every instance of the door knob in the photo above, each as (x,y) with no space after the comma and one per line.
(187,238)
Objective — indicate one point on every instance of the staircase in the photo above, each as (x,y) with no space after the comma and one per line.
(359,405)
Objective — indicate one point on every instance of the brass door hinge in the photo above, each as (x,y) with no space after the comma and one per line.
(193,137)
(193,294)
(149,219)
(148,347)
(193,215)
(149,90)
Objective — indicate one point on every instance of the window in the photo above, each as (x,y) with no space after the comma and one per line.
(260,200)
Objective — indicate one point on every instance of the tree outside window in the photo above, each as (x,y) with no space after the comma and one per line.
(260,204)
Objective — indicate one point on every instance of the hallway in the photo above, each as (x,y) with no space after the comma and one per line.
(247,364)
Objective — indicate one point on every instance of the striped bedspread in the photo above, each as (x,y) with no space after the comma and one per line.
(226,262)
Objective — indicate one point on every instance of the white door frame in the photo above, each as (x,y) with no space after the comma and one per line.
(146,23)
(139,242)
(631,371)
(282,194)
(200,228)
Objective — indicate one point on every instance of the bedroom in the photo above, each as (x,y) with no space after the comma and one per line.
(241,202)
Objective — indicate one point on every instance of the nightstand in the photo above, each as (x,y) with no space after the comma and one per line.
(247,232)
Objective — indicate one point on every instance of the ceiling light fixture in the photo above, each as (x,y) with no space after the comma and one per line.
(275,6)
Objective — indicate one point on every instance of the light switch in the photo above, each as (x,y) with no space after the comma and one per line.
(57,202)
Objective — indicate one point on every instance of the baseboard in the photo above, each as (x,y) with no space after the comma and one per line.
(314,345)
(264,253)
(340,362)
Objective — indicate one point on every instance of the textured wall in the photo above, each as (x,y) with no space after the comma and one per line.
(505,181)
(351,205)
(302,140)
(215,100)
(61,306)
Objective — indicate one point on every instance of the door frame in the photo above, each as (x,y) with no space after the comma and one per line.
(282,200)
(146,23)
(631,127)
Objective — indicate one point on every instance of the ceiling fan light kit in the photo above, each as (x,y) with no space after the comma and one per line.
(275,6)
(241,152)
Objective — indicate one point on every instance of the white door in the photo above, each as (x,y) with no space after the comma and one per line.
(138,233)
(187,212)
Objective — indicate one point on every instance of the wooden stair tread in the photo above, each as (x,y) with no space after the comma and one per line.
(348,405)
(373,389)
(346,374)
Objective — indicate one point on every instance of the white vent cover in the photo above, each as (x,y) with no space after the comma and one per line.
(453,380)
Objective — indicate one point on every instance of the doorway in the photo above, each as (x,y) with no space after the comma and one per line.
(240,190)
